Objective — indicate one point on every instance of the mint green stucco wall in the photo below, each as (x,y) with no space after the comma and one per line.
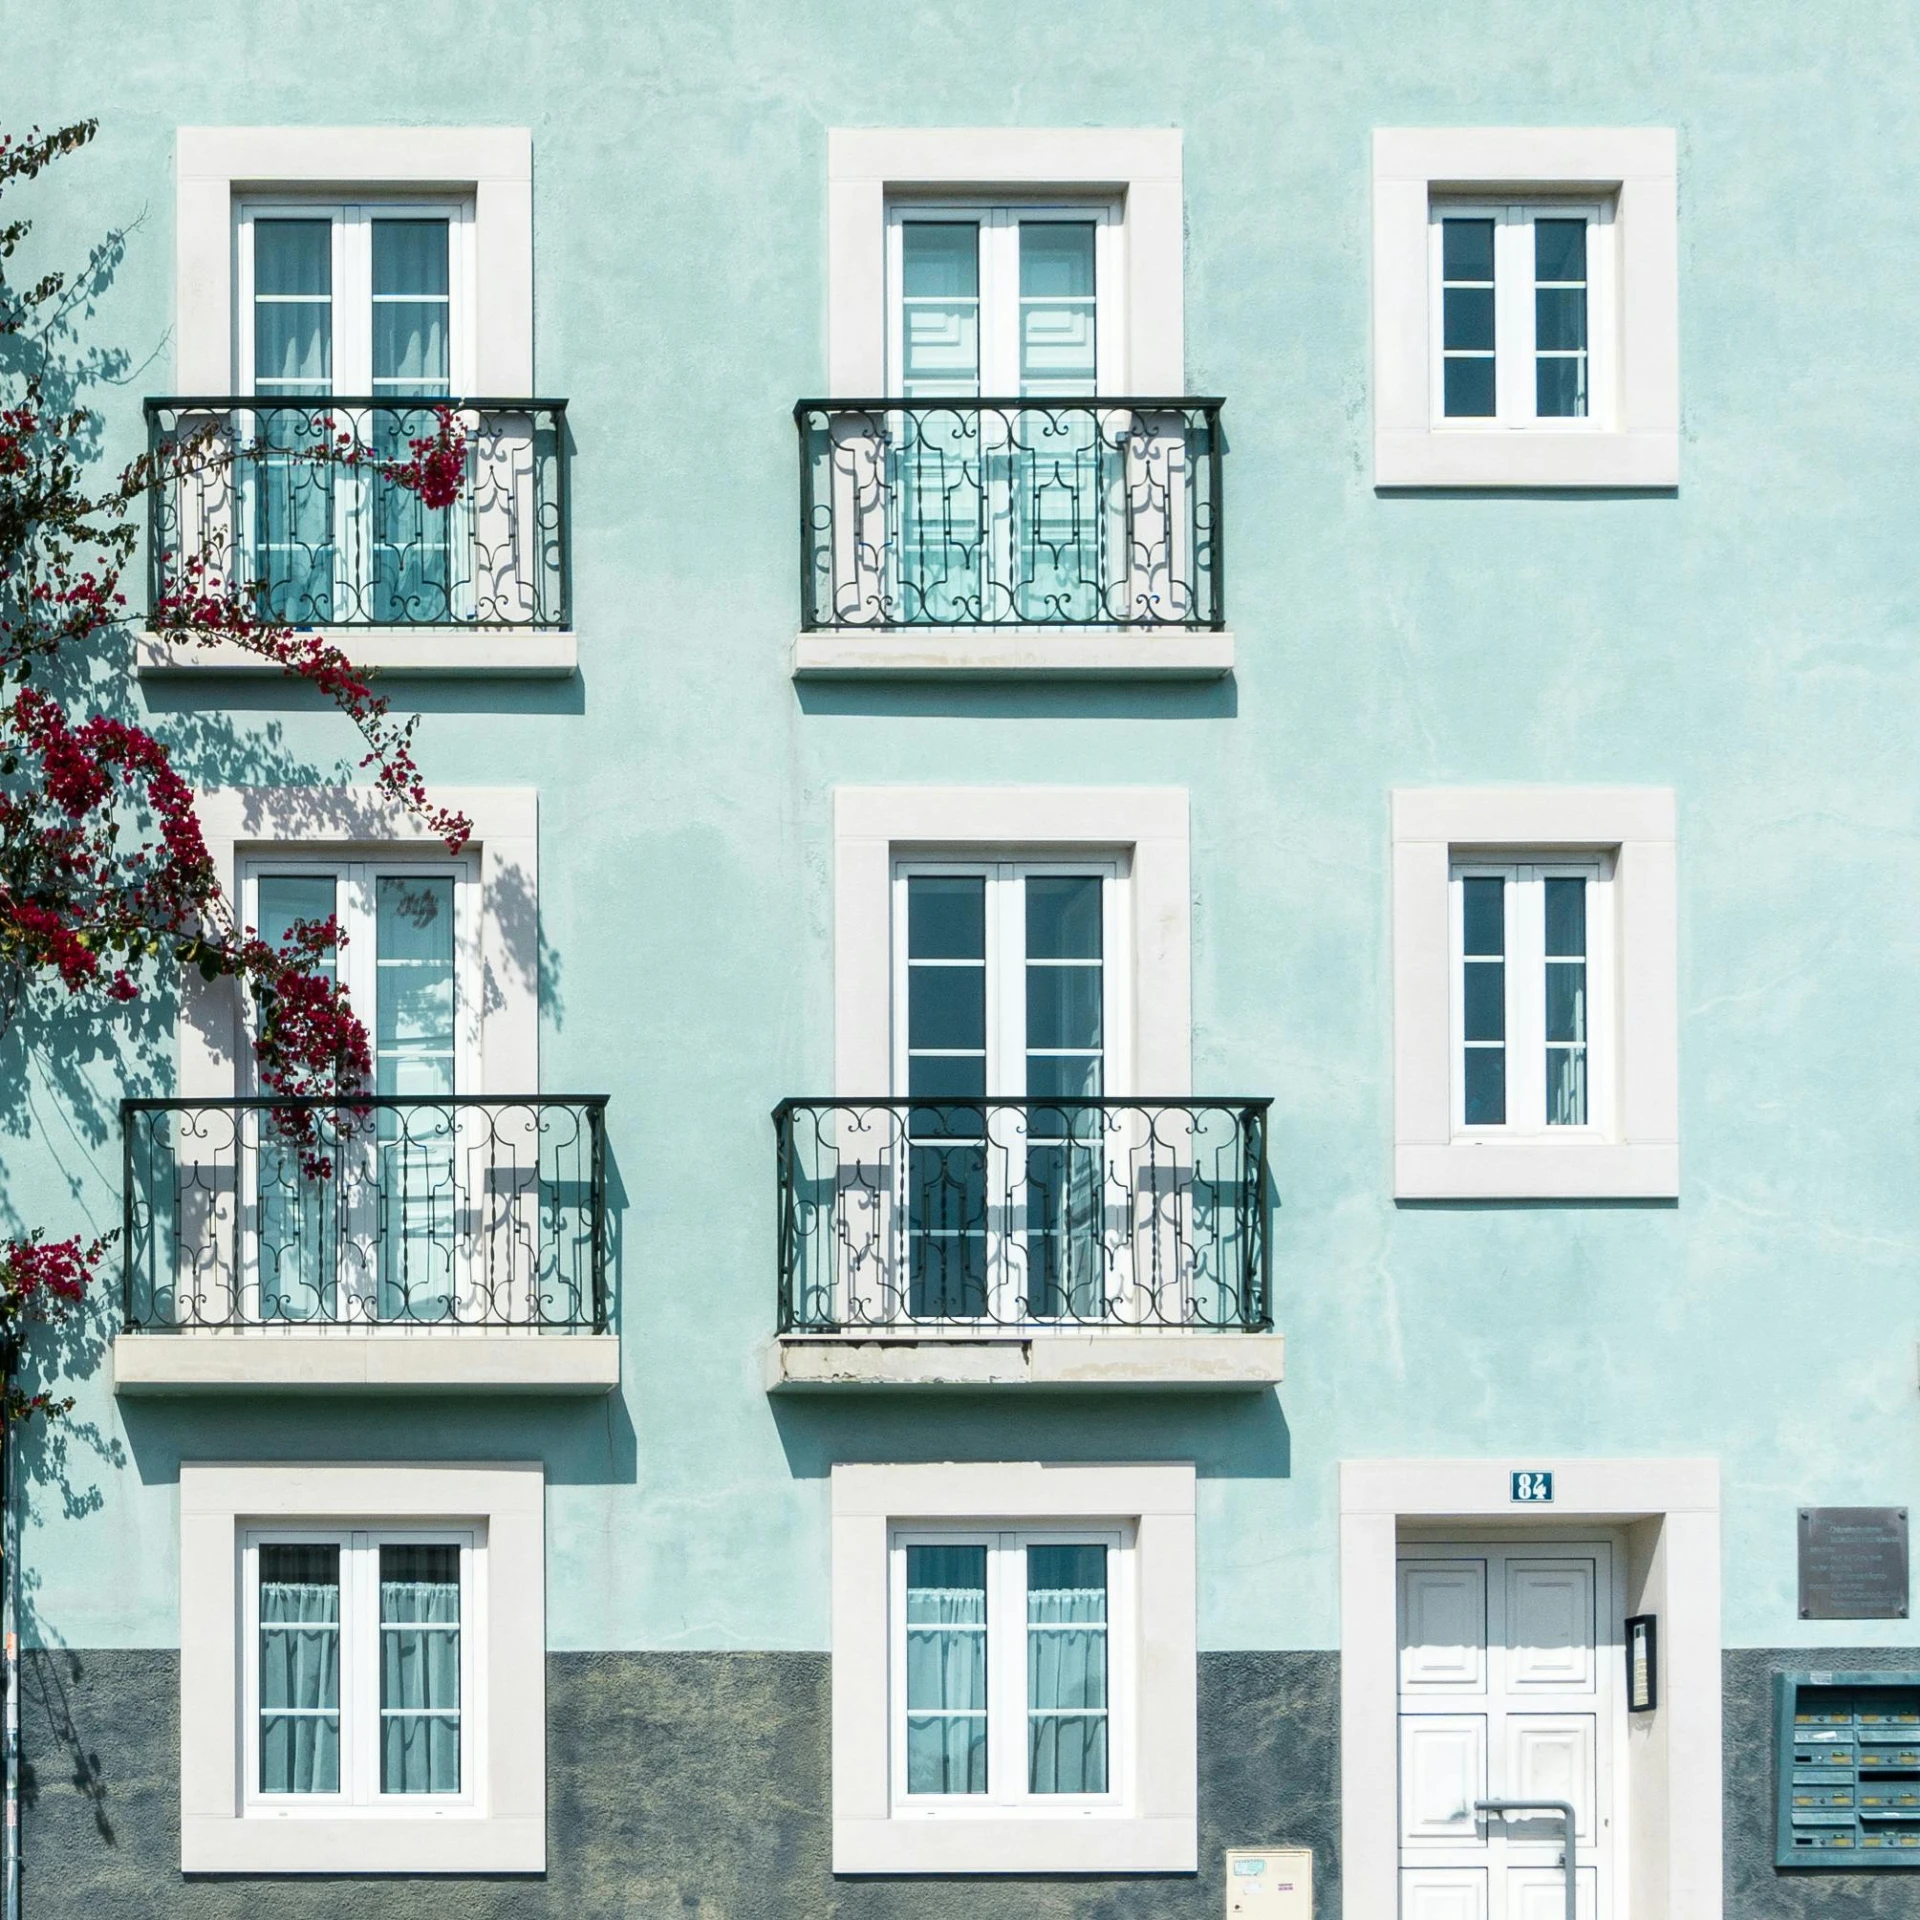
(1749,641)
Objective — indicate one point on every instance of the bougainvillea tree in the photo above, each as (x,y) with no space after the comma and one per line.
(106,882)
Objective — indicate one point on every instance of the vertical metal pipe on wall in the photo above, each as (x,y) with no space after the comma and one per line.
(10,1623)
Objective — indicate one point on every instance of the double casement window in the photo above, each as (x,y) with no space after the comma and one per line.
(368,302)
(1008,508)
(1530,945)
(381,1237)
(1008,1033)
(1009,1686)
(1522,303)
(358,1671)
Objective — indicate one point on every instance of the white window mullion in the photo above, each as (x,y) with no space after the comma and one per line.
(1513,317)
(1526,1003)
(1000,303)
(1007,1672)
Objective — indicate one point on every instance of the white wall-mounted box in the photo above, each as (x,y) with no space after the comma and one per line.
(1274,1884)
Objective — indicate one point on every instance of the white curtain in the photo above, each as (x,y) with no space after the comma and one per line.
(947,1669)
(1067,1669)
(299,1669)
(420,1669)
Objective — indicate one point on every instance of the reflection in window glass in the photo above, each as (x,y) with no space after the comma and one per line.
(946,1677)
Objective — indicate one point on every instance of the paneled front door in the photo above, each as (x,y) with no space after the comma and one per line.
(1508,1691)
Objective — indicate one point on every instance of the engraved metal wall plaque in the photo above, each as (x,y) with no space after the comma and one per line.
(1853,1563)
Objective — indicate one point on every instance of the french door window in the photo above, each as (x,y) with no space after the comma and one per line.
(1520,298)
(1008,1686)
(377,1240)
(358,1674)
(1530,984)
(1005,1035)
(365,302)
(1005,511)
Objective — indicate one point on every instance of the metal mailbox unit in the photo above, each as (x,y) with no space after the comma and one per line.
(1848,1770)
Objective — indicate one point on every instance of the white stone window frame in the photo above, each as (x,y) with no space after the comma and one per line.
(245,826)
(503,1830)
(1668,1514)
(875,827)
(1636,1153)
(217,171)
(1156,1829)
(1141,170)
(1634,170)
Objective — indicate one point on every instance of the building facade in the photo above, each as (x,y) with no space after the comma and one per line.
(1155,1130)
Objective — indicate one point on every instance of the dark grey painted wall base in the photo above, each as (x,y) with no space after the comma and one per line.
(1755,1888)
(679,1786)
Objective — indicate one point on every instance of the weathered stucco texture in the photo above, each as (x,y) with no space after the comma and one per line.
(678,1785)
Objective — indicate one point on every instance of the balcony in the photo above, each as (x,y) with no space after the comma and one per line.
(1026,538)
(457,1244)
(985,1243)
(295,500)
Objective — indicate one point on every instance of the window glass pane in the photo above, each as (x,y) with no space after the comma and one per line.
(1063,917)
(415,1004)
(1067,1669)
(420,1669)
(1560,319)
(286,898)
(1057,312)
(946,917)
(292,306)
(1063,1007)
(410,306)
(946,1007)
(940,301)
(946,1705)
(1483,914)
(1566,1012)
(1466,318)
(1483,1012)
(299,1669)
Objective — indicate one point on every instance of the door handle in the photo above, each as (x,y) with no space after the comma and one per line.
(1563,1810)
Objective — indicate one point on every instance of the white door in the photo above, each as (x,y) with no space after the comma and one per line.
(1508,1691)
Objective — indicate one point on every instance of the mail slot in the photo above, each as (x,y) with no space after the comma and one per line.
(1848,1765)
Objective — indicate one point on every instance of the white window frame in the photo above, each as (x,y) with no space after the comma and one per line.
(1151,1824)
(1525,960)
(356,960)
(1146,827)
(1632,171)
(352,297)
(1007,1629)
(274,828)
(360,1664)
(1139,170)
(499,1823)
(1635,1152)
(1516,395)
(1005,873)
(999,221)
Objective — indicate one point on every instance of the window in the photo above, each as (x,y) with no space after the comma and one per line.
(1530,942)
(362,1667)
(1014,1668)
(1535,1014)
(394,1253)
(367,299)
(1002,301)
(1005,1688)
(1522,299)
(1006,1047)
(1526,307)
(360,1682)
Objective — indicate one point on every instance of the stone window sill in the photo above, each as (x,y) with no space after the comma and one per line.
(365,1360)
(1163,1361)
(1013,653)
(462,652)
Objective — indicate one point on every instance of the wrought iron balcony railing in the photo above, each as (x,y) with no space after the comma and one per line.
(441,1212)
(904,1215)
(991,513)
(296,500)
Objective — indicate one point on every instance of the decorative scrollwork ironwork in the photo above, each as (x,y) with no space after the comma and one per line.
(449,1212)
(911,1214)
(989,513)
(294,501)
